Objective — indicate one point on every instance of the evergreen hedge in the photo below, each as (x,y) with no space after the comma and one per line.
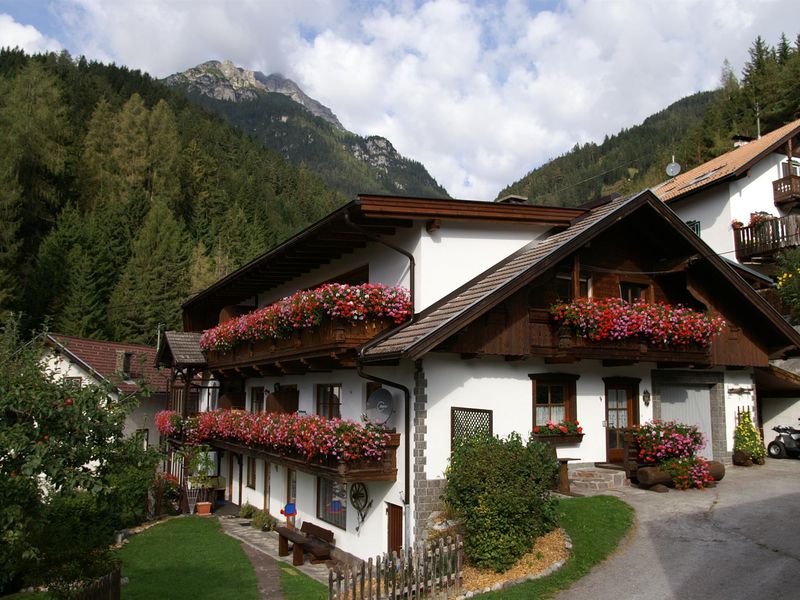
(498,488)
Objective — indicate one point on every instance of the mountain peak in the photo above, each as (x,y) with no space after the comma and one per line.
(227,81)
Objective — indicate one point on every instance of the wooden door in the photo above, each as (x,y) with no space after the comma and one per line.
(395,520)
(621,413)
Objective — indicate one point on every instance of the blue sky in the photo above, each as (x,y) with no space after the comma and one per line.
(480,92)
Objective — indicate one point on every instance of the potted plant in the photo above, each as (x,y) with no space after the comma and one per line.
(748,447)
(202,467)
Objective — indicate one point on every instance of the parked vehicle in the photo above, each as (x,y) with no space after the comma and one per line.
(787,442)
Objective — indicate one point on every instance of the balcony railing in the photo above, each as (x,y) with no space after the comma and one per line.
(786,189)
(765,239)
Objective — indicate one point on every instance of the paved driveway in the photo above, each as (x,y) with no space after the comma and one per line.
(738,540)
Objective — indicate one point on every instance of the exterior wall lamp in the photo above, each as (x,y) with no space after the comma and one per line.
(646,397)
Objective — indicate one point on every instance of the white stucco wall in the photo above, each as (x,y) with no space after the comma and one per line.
(779,411)
(737,381)
(445,259)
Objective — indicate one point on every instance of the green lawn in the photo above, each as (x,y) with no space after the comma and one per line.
(298,586)
(187,558)
(596,525)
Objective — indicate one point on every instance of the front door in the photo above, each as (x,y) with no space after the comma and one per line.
(395,519)
(621,413)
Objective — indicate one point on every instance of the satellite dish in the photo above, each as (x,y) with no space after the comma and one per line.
(380,406)
(673,168)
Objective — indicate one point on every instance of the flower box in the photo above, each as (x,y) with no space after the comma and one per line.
(568,439)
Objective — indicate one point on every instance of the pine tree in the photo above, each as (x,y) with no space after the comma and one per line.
(164,147)
(97,172)
(130,157)
(10,243)
(82,314)
(201,269)
(155,281)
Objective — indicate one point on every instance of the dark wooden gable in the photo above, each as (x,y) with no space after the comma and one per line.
(641,251)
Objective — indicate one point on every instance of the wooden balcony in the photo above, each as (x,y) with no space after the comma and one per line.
(364,470)
(786,190)
(329,346)
(763,240)
(558,345)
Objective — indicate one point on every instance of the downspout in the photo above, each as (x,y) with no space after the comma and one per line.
(394,384)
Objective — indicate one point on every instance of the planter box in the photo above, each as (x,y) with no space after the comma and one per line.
(331,336)
(569,439)
(362,470)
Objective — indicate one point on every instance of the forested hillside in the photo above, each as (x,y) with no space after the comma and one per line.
(119,198)
(694,130)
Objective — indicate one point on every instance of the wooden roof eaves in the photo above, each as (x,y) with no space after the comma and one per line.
(427,343)
(78,360)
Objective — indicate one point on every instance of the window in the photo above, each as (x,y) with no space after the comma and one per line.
(553,397)
(795,169)
(631,292)
(332,502)
(469,422)
(329,400)
(256,399)
(251,472)
(564,286)
(75,382)
(694,226)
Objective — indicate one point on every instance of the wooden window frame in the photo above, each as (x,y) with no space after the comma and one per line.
(326,408)
(568,380)
(251,473)
(646,289)
(583,277)
(76,382)
(321,515)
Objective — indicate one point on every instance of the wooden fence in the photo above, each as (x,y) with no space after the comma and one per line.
(429,571)
(104,588)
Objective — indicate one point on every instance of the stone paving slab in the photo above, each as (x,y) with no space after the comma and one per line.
(267,542)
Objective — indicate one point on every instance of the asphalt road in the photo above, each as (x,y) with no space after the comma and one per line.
(740,539)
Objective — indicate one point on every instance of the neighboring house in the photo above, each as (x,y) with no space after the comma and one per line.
(726,202)
(482,352)
(127,368)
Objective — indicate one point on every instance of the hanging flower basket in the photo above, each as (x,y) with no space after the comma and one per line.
(561,440)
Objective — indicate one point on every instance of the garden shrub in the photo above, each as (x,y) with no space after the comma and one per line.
(247,510)
(499,490)
(747,439)
(263,521)
(166,494)
(130,472)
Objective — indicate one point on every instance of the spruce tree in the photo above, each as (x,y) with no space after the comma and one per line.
(201,269)
(130,158)
(155,281)
(82,314)
(10,244)
(164,147)
(97,172)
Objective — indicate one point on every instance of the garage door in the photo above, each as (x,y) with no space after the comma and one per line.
(690,405)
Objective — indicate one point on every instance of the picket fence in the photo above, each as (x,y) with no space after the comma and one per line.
(104,588)
(429,571)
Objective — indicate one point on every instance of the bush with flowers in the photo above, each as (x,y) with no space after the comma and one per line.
(306,309)
(168,422)
(565,427)
(658,324)
(311,437)
(673,446)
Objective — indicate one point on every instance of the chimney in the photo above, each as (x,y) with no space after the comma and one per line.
(123,364)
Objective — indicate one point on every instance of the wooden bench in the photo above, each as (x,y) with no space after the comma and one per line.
(311,538)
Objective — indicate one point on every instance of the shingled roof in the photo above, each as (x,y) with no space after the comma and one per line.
(448,316)
(100,359)
(184,346)
(731,164)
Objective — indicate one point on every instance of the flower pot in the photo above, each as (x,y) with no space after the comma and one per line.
(203,509)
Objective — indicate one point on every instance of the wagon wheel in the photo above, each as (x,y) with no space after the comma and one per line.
(359,496)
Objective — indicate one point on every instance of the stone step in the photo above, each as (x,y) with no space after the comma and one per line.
(592,480)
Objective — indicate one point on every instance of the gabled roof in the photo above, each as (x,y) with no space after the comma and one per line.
(448,316)
(353,226)
(732,164)
(184,349)
(100,359)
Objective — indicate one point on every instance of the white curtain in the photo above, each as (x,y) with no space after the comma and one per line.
(690,405)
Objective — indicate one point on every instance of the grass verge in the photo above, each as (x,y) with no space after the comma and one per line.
(187,558)
(596,525)
(299,586)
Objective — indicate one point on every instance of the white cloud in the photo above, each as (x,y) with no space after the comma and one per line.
(479,92)
(27,37)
